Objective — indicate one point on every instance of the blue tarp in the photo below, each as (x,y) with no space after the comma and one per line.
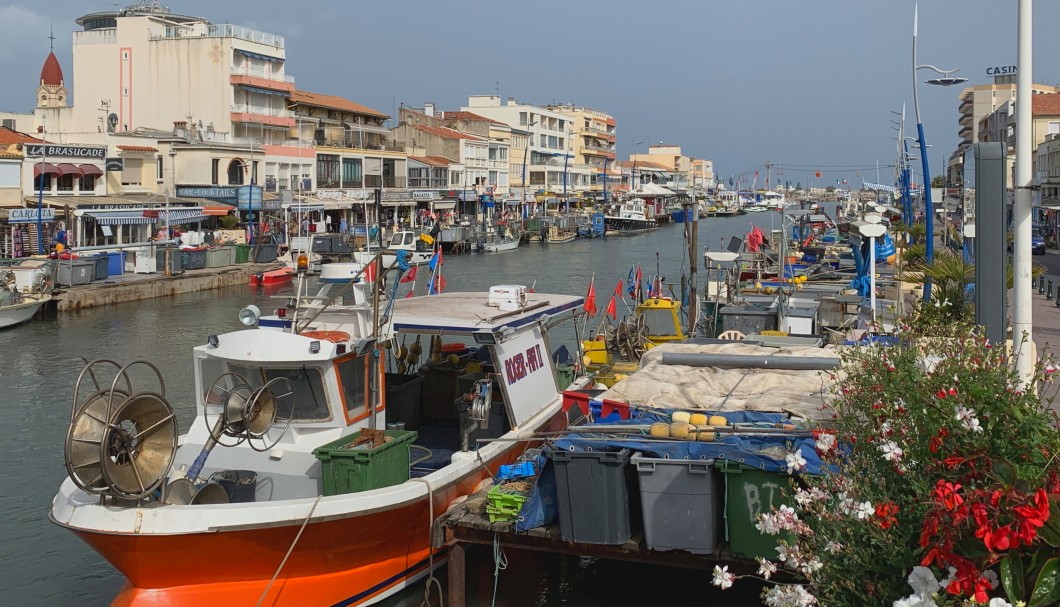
(861,280)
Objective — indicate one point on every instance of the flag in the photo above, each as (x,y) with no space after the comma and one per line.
(410,294)
(436,260)
(631,282)
(590,299)
(618,289)
(369,272)
(436,286)
(409,276)
(612,310)
(640,282)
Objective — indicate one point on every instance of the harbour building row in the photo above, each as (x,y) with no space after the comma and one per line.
(203,117)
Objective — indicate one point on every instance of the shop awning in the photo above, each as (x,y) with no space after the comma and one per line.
(261,91)
(399,203)
(69,169)
(45,168)
(89,170)
(181,216)
(258,56)
(444,205)
(216,211)
(119,217)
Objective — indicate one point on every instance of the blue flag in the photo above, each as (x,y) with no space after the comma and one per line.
(437,257)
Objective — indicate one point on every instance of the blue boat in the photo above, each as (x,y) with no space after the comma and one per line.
(594,229)
(678,216)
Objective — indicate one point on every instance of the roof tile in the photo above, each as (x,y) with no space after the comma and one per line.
(333,102)
(11,136)
(136,148)
(446,133)
(438,161)
(1045,104)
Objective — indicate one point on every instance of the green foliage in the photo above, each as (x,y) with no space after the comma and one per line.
(229,222)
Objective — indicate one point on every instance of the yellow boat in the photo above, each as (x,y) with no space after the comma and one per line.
(616,352)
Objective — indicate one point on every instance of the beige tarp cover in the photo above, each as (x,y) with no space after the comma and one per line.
(798,393)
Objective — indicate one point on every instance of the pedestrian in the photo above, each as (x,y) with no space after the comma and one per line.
(305,226)
(327,222)
(60,234)
(342,225)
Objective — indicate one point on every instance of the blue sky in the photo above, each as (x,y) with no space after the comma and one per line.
(805,85)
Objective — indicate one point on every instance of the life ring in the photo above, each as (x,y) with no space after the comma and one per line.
(332,336)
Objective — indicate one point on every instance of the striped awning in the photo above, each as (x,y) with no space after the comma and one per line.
(263,91)
(181,216)
(45,168)
(105,217)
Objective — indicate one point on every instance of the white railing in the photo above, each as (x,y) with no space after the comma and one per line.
(261,110)
(260,73)
(226,30)
(103,36)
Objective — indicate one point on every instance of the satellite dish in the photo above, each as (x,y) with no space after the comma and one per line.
(112,121)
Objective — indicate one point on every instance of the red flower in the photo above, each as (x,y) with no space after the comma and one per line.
(941,393)
(946,494)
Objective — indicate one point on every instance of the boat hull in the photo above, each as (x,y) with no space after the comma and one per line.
(497,247)
(272,277)
(625,224)
(355,558)
(19,313)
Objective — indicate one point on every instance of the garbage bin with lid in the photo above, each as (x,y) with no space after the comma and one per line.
(193,259)
(115,263)
(242,253)
(101,262)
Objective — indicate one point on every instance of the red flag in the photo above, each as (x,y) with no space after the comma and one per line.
(410,294)
(612,310)
(619,289)
(590,299)
(369,272)
(409,276)
(439,284)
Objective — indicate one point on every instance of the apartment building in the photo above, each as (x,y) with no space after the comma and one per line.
(670,159)
(593,143)
(1000,126)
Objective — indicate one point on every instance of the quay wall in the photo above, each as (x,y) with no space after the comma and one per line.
(156,285)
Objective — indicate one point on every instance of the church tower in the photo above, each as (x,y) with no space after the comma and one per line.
(52,91)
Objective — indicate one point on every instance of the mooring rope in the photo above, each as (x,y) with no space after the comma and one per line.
(289,551)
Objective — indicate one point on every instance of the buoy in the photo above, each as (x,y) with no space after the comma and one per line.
(659,430)
(620,376)
(681,416)
(705,437)
(586,360)
(680,430)
(717,420)
(698,419)
(454,360)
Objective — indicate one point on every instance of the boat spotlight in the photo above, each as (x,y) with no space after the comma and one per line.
(314,347)
(249,315)
(213,341)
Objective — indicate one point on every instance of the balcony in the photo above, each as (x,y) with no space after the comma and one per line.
(245,112)
(204,30)
(262,79)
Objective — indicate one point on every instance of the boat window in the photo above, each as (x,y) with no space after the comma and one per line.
(310,399)
(408,237)
(395,240)
(351,374)
(660,322)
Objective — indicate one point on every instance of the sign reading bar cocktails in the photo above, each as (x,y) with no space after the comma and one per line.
(30,215)
(194,191)
(36,150)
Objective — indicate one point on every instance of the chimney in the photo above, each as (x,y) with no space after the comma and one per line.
(512,101)
(428,109)
(180,128)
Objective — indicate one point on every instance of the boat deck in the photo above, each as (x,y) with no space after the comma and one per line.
(457,313)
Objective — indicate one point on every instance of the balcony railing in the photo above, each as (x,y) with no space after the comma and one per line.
(226,30)
(261,110)
(102,36)
(261,73)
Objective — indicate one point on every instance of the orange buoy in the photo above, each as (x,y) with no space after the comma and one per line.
(332,336)
(453,348)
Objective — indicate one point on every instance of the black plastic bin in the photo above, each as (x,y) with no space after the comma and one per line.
(102,261)
(240,485)
(748,319)
(193,259)
(264,253)
(593,496)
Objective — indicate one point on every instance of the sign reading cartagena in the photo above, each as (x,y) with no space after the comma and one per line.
(36,150)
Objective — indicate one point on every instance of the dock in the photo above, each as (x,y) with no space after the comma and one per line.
(467,525)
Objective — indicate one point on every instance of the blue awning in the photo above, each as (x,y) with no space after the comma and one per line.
(119,218)
(181,216)
(258,89)
(258,56)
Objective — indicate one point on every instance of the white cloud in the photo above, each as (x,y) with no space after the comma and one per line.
(22,30)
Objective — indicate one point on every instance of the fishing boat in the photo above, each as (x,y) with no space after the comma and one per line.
(17,307)
(594,228)
(630,217)
(559,235)
(494,243)
(272,277)
(418,248)
(616,349)
(296,483)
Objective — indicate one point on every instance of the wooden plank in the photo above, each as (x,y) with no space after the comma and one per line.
(457,575)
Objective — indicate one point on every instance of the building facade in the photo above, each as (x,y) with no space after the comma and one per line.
(593,142)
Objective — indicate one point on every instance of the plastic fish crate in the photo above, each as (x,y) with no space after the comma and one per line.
(504,505)
(593,496)
(681,503)
(352,470)
(748,493)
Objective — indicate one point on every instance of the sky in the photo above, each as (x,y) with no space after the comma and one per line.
(807,86)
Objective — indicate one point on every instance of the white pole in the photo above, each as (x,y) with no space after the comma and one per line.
(872,278)
(1021,207)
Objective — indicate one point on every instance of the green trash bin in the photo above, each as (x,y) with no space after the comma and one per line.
(748,493)
(242,253)
(351,470)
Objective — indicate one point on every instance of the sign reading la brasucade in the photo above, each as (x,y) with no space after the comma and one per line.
(37,150)
(30,215)
(1001,70)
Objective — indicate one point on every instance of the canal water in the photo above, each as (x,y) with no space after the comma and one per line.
(41,564)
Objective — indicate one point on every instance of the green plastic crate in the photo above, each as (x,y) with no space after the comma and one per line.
(504,506)
(748,493)
(352,470)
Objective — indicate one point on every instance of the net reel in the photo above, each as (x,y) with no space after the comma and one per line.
(120,442)
(481,397)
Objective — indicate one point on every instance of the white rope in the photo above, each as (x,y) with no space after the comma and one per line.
(289,551)
(430,549)
(500,563)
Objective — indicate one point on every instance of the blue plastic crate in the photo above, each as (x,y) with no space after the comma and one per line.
(596,408)
(513,471)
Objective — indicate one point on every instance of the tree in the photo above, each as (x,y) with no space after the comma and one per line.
(938,181)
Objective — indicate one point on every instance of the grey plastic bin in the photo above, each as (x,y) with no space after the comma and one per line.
(193,259)
(264,253)
(403,399)
(217,258)
(101,262)
(176,260)
(73,272)
(748,319)
(681,503)
(593,496)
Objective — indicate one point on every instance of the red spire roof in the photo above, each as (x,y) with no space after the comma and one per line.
(51,74)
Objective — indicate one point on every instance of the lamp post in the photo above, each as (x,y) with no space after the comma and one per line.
(1021,207)
(929,211)
(633,171)
(40,194)
(526,151)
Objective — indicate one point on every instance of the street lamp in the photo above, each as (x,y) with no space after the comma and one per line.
(633,171)
(929,211)
(526,151)
(40,194)
(1021,207)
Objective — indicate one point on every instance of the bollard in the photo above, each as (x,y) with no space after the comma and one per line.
(1041,285)
(1049,290)
(1057,300)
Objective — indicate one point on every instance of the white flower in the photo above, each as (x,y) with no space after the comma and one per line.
(968,419)
(825,442)
(949,578)
(996,602)
(891,451)
(722,578)
(795,461)
(767,524)
(766,567)
(928,363)
(865,511)
(788,596)
(923,581)
(833,547)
